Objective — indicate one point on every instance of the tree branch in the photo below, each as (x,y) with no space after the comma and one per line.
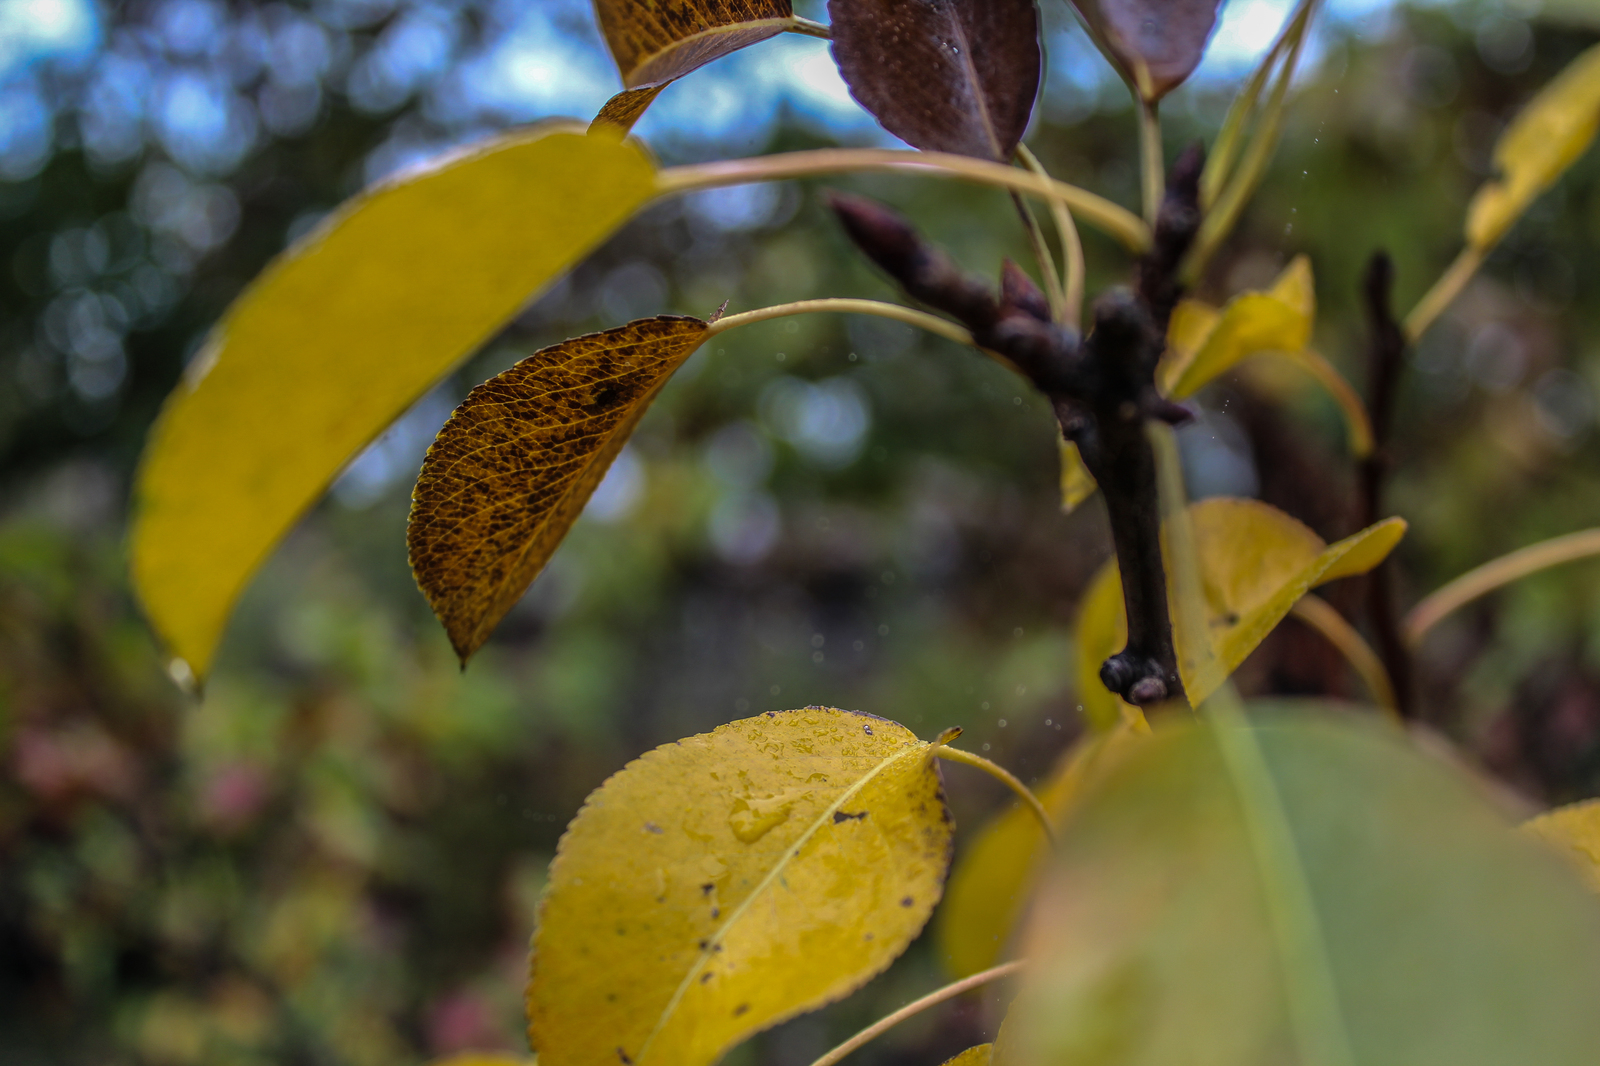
(1386,349)
(1101,387)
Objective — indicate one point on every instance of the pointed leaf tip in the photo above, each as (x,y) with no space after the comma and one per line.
(512,469)
(1156,44)
(341,334)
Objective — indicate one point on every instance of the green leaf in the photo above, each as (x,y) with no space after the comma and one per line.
(512,469)
(995,876)
(657,41)
(1306,889)
(1575,831)
(342,333)
(1255,562)
(731,880)
(1547,136)
(955,76)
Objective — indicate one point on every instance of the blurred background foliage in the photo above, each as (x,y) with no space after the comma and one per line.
(335,856)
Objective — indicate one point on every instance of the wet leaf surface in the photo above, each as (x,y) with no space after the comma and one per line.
(513,467)
(1156,43)
(730,880)
(1255,562)
(942,75)
(338,337)
(1355,902)
(656,41)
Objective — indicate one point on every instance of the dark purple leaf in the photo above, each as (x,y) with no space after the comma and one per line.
(1157,43)
(943,75)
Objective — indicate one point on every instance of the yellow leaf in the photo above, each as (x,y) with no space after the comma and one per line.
(338,336)
(1255,562)
(973,1056)
(1203,343)
(1547,136)
(726,882)
(1575,831)
(1077,484)
(992,882)
(511,470)
(655,41)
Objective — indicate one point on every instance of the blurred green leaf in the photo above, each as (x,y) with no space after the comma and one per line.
(1333,898)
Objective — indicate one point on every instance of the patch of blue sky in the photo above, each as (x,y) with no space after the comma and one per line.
(32,30)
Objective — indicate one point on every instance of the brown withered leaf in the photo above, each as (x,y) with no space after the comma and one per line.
(1157,43)
(624,109)
(511,470)
(655,41)
(942,75)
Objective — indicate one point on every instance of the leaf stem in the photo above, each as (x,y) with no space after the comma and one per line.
(1443,293)
(1005,777)
(1118,221)
(932,999)
(1053,293)
(1072,265)
(1231,200)
(909,315)
(1320,615)
(808,28)
(1152,161)
(1495,574)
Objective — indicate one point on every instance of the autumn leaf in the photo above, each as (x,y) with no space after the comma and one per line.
(973,1056)
(624,109)
(656,41)
(731,880)
(996,873)
(1077,484)
(1155,44)
(511,470)
(338,337)
(1547,136)
(1575,831)
(1255,562)
(942,75)
(1303,887)
(1204,343)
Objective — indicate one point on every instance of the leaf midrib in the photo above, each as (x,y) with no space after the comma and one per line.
(789,854)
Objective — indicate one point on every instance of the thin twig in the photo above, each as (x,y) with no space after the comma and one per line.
(1495,574)
(909,315)
(1005,777)
(1320,615)
(1443,293)
(1054,294)
(808,28)
(1072,264)
(1116,220)
(1152,161)
(932,999)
